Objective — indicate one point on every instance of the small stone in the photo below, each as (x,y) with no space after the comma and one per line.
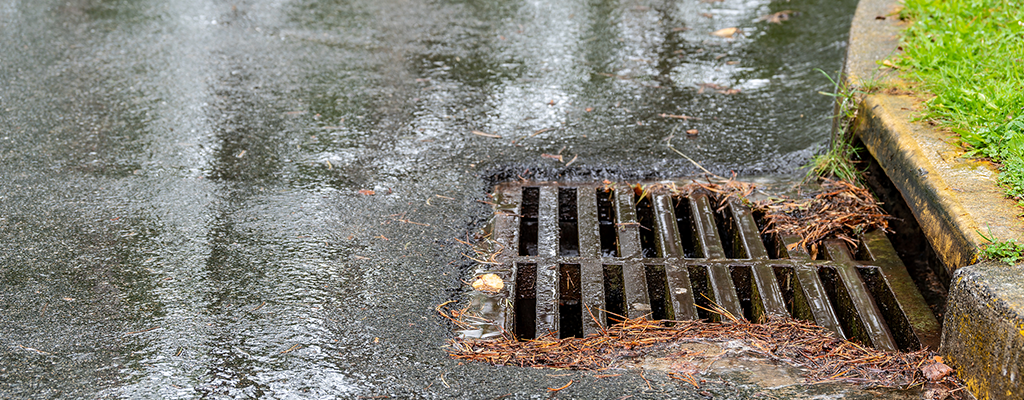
(488,283)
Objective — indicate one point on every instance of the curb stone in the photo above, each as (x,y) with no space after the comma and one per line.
(954,200)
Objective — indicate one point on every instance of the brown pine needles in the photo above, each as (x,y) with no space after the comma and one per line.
(798,343)
(842,211)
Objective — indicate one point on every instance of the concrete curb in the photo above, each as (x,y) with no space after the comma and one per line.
(954,200)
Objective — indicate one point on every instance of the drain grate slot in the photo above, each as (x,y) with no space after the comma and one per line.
(586,256)
(614,294)
(606,221)
(645,219)
(745,291)
(526,301)
(687,226)
(702,293)
(796,304)
(661,305)
(568,227)
(528,221)
(570,301)
(897,322)
(728,232)
(840,299)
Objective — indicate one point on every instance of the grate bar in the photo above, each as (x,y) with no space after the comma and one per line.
(589,231)
(669,244)
(627,227)
(767,297)
(681,292)
(592,285)
(812,292)
(704,224)
(913,316)
(547,298)
(634,278)
(547,229)
(869,318)
(720,276)
(506,223)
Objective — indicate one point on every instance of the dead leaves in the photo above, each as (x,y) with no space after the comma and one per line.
(727,33)
(799,343)
(779,17)
(841,211)
(490,283)
(717,88)
(936,370)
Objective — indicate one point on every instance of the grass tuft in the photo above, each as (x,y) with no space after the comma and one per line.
(838,161)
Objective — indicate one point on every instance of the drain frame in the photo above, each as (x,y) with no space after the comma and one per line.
(879,275)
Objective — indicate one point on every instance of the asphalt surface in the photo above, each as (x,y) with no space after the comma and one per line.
(261,199)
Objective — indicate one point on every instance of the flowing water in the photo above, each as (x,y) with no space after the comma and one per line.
(262,199)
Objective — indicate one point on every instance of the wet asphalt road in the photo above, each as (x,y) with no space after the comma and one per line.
(180,205)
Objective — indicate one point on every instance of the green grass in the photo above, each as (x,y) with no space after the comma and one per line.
(1008,251)
(838,161)
(970,55)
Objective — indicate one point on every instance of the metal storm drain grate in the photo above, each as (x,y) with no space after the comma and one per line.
(570,255)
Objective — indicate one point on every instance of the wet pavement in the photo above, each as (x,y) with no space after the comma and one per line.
(180,205)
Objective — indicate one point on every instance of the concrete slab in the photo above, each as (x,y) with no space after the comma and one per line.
(984,330)
(955,200)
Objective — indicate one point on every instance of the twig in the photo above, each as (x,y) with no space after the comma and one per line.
(485,134)
(563,387)
(690,159)
(293,348)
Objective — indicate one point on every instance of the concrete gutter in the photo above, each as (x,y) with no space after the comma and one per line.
(955,200)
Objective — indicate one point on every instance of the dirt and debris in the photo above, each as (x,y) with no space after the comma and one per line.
(840,211)
(778,17)
(816,350)
(490,283)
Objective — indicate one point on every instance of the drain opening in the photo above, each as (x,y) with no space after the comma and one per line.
(931,277)
(862,253)
(528,221)
(772,242)
(850,294)
(568,226)
(661,305)
(702,293)
(570,305)
(792,294)
(526,301)
(745,291)
(894,317)
(606,223)
(729,233)
(614,294)
(687,226)
(645,216)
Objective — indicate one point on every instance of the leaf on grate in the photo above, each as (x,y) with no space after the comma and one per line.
(488,283)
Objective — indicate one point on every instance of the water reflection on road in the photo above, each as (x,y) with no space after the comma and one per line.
(181,215)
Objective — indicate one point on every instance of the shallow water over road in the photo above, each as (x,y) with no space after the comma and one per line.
(261,199)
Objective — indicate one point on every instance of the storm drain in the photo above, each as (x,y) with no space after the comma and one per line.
(573,256)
